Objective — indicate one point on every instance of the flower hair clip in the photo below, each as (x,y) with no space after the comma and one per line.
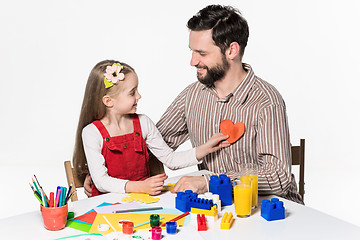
(113,75)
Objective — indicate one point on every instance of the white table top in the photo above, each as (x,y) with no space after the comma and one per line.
(301,222)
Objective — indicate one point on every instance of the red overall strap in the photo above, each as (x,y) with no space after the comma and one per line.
(103,131)
(100,126)
(138,139)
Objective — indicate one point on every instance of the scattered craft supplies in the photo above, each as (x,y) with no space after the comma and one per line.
(61,198)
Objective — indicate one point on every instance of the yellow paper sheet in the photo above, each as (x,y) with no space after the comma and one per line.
(136,218)
(141,197)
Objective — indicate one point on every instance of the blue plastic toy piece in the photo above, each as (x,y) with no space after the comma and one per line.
(221,185)
(272,210)
(201,203)
(182,200)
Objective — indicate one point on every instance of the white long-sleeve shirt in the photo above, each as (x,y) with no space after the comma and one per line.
(93,143)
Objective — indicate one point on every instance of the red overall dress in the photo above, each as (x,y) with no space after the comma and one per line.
(126,156)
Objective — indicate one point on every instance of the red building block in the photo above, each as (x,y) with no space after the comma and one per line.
(201,222)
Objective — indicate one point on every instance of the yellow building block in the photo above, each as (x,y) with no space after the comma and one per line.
(212,212)
(168,187)
(226,221)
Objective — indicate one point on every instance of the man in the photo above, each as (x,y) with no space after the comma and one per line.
(229,89)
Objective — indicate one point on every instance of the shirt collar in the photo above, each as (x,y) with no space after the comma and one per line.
(242,90)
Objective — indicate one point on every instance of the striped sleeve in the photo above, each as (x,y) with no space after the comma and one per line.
(273,151)
(172,124)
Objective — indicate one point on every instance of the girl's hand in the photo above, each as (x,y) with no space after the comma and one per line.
(153,185)
(88,185)
(216,142)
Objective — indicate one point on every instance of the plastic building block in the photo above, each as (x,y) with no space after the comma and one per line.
(168,187)
(182,200)
(212,212)
(212,216)
(226,221)
(171,227)
(221,185)
(201,222)
(272,210)
(214,197)
(201,203)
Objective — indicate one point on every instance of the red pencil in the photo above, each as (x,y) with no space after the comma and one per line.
(51,203)
(175,219)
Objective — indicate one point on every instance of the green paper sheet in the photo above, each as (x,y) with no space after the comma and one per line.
(79,226)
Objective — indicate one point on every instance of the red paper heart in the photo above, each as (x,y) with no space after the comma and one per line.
(235,131)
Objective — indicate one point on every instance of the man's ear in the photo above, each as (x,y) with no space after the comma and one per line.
(233,51)
(107,101)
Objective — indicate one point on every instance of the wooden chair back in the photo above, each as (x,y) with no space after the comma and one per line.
(73,179)
(298,158)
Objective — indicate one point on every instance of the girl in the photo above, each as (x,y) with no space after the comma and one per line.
(112,140)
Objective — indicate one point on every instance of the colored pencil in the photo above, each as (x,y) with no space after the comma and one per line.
(175,219)
(68,193)
(37,189)
(51,202)
(72,193)
(63,196)
(38,198)
(36,192)
(137,209)
(37,180)
(57,197)
(43,192)
(46,201)
(140,224)
(42,198)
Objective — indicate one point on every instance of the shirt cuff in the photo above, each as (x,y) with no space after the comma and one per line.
(207,179)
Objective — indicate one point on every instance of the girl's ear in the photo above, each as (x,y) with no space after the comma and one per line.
(107,101)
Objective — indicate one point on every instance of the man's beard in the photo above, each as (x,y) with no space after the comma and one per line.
(215,73)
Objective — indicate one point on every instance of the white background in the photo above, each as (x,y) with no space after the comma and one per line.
(309,50)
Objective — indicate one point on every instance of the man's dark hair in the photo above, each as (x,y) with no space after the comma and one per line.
(226,23)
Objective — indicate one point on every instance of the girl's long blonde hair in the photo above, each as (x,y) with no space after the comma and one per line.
(93,108)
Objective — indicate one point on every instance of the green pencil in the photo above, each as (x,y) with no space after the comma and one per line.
(38,198)
(37,189)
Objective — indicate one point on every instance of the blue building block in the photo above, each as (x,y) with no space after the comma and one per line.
(221,185)
(182,200)
(272,210)
(201,203)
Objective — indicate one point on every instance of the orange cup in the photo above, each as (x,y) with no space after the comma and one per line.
(54,218)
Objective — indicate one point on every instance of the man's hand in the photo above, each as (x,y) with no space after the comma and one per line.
(88,185)
(194,183)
